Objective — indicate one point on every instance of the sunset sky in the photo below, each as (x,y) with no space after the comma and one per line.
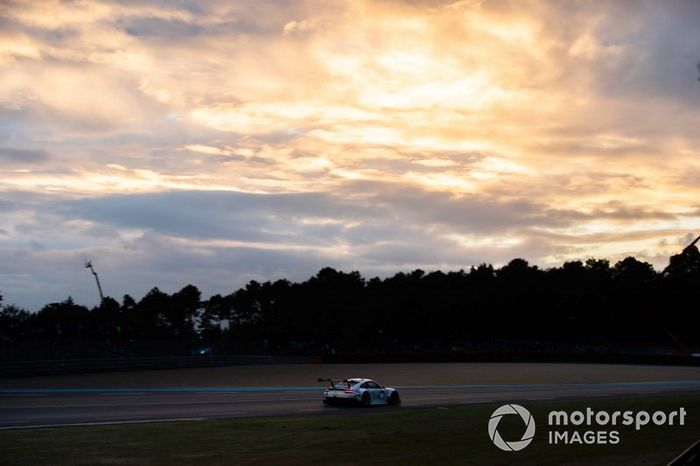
(215,142)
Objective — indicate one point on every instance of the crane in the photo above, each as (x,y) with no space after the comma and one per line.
(88,265)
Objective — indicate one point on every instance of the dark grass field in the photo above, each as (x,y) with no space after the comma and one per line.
(447,435)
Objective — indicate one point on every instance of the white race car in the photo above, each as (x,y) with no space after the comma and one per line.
(364,392)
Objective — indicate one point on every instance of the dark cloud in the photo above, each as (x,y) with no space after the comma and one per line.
(464,213)
(56,36)
(657,44)
(312,217)
(14,201)
(217,214)
(618,211)
(18,124)
(161,28)
(197,8)
(247,19)
(24,155)
(668,38)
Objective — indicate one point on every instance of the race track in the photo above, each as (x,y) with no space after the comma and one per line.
(199,394)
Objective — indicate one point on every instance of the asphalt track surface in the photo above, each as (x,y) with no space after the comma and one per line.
(248,391)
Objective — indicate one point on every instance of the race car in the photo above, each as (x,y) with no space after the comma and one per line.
(359,391)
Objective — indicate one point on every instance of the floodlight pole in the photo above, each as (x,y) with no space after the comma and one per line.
(88,265)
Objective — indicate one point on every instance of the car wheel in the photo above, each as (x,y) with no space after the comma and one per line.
(394,398)
(365,401)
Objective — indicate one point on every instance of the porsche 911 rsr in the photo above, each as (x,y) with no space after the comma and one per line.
(359,391)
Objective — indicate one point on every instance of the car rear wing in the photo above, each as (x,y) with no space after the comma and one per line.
(333,382)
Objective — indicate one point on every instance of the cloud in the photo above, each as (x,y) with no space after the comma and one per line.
(313,217)
(27,156)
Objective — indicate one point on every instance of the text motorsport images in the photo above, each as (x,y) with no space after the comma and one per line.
(588,427)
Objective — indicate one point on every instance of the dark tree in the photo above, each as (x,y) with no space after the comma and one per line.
(515,308)
(13,323)
(182,312)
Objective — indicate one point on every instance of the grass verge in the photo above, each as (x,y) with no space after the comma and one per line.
(445,436)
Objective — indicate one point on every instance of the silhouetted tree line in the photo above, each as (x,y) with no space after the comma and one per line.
(516,306)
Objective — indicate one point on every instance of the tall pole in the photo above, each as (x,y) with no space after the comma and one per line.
(88,265)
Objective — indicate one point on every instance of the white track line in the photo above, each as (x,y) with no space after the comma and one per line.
(103,423)
(159,403)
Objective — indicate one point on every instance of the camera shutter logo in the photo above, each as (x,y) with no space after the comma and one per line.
(529,427)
